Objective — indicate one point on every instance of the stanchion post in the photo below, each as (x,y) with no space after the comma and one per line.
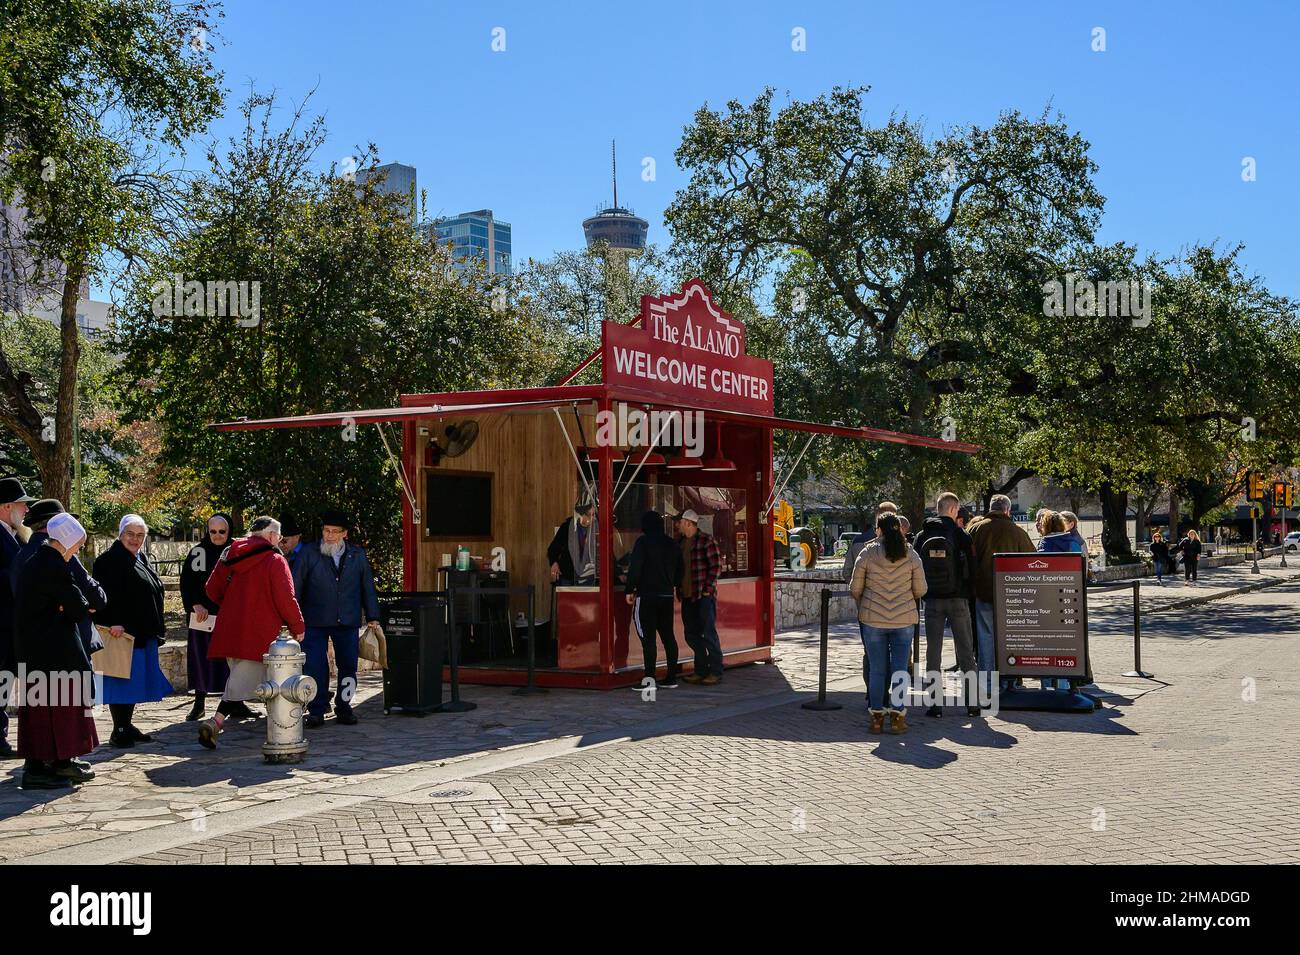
(1137,670)
(916,638)
(456,704)
(821,703)
(530,688)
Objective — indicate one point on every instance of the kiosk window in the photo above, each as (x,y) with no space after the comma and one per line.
(723,514)
(458,504)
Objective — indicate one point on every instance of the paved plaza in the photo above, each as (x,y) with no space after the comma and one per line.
(1197,765)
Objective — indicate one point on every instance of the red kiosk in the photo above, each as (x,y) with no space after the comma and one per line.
(501,487)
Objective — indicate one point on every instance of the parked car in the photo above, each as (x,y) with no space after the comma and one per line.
(1293,541)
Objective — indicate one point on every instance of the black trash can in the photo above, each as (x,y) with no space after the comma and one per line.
(415,626)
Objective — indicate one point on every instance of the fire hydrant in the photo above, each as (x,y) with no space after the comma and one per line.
(286,692)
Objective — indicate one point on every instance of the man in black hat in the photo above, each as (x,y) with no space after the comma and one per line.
(337,596)
(13,508)
(292,546)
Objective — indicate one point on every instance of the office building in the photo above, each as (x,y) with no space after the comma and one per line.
(394,179)
(476,235)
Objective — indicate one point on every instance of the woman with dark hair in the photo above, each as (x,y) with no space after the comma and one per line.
(205,675)
(888,580)
(1159,556)
(135,606)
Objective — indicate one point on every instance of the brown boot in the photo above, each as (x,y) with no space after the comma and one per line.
(877,721)
(899,723)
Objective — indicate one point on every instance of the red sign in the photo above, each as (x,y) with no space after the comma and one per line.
(687,351)
(1040,562)
(1040,614)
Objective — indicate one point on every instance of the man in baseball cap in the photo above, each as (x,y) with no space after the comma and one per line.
(699,591)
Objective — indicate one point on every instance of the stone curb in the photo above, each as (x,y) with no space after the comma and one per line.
(1234,592)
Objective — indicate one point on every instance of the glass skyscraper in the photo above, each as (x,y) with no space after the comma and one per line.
(476,235)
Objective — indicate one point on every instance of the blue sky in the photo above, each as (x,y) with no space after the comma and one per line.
(1183,92)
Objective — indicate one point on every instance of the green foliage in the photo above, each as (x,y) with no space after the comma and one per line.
(356,308)
(95,93)
(895,259)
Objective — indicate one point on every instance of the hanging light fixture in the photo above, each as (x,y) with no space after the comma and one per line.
(718,462)
(652,460)
(681,462)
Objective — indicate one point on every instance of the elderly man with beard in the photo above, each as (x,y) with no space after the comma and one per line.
(338,595)
(13,507)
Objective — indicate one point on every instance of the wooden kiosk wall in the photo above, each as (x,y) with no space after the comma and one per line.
(534,486)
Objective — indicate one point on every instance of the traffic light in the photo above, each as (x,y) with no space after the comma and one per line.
(1254,486)
(1279,493)
(1288,493)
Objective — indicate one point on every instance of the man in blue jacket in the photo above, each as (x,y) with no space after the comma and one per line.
(337,597)
(13,508)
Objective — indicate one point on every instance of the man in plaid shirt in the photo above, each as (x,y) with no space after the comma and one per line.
(699,592)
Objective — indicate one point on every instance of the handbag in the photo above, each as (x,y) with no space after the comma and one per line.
(372,645)
(115,658)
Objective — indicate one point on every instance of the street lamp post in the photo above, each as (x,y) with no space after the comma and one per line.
(1254,540)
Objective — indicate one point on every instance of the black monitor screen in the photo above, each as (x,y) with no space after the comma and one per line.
(458,505)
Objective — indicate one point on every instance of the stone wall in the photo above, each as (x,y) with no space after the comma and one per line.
(798,596)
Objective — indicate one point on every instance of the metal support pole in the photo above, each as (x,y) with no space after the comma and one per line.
(531,688)
(1283,564)
(821,703)
(456,704)
(1254,541)
(1137,670)
(916,638)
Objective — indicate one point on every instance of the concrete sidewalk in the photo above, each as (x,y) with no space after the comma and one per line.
(172,793)
(1214,583)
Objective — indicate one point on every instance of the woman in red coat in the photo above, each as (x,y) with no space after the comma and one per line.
(253,588)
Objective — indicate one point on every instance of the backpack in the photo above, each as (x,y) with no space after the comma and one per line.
(945,568)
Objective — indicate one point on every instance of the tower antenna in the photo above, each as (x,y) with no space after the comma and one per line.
(613,158)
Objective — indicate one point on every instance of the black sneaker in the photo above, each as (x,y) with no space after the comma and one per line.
(196,712)
(668,682)
(935,711)
(43,780)
(121,739)
(314,722)
(972,711)
(345,718)
(138,736)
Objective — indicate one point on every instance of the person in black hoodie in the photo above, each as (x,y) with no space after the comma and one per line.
(949,558)
(654,573)
(205,675)
(135,606)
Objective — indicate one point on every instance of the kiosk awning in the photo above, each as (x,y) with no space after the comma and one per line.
(384,415)
(813,427)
